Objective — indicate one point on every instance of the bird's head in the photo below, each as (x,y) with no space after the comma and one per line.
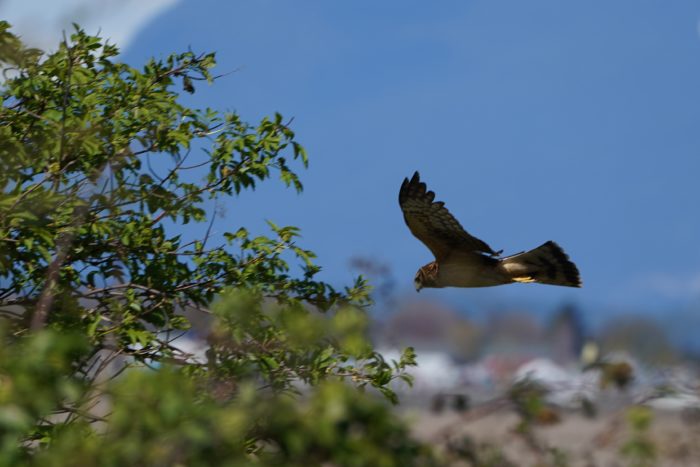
(426,277)
(418,280)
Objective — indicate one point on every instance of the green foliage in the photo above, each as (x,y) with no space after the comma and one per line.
(528,399)
(12,52)
(33,386)
(619,374)
(287,344)
(168,417)
(639,448)
(99,164)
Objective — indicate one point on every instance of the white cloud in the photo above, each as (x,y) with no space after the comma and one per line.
(41,23)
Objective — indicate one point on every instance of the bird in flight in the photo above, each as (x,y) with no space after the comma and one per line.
(462,260)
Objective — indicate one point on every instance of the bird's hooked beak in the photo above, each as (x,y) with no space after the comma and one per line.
(417,284)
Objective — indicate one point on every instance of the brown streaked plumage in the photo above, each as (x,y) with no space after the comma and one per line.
(462,260)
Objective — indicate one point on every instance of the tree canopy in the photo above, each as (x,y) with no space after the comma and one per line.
(100,165)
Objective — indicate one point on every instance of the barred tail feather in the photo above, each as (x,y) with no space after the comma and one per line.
(546,264)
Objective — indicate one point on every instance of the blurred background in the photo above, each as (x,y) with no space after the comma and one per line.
(542,120)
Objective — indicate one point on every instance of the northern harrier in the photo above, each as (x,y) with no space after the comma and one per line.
(465,261)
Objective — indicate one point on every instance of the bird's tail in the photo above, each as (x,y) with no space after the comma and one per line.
(546,264)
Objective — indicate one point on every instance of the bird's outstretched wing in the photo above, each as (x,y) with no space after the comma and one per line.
(432,223)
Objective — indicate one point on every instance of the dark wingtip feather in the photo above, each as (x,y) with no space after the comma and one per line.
(414,184)
(402,191)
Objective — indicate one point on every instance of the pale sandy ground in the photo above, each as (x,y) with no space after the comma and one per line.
(585,441)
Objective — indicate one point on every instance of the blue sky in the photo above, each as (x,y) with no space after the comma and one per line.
(538,120)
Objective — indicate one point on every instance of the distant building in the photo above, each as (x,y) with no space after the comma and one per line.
(566,335)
